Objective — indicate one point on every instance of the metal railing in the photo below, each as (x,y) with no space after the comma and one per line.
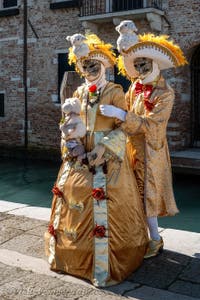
(96,7)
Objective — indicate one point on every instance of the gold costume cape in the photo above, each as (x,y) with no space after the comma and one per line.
(74,248)
(147,134)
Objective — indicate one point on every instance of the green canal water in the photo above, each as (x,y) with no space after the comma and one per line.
(31,183)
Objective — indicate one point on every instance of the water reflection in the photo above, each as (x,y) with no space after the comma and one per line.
(30,182)
(27,182)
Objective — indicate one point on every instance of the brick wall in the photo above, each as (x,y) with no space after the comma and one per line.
(51,28)
(183,17)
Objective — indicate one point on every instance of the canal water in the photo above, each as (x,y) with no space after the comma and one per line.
(31,183)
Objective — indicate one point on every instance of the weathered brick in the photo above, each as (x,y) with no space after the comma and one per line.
(51,27)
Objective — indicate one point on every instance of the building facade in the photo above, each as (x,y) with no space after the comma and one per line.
(34,59)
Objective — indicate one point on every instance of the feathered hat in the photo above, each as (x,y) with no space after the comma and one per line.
(159,48)
(91,48)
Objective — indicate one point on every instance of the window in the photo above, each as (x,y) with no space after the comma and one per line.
(56,4)
(8,3)
(2,109)
(9,8)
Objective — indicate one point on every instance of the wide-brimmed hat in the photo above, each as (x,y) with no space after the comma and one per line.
(158,48)
(92,48)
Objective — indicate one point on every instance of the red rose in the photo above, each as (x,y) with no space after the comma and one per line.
(51,230)
(99,231)
(57,192)
(93,88)
(98,194)
(148,105)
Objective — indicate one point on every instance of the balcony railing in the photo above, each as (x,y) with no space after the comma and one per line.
(96,7)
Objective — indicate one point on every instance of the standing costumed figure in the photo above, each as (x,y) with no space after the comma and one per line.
(97,228)
(150,100)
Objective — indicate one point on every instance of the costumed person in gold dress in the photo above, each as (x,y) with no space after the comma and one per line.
(97,228)
(150,100)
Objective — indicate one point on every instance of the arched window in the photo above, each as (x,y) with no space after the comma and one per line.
(195,76)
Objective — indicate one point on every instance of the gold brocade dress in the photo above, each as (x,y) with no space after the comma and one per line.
(100,240)
(147,135)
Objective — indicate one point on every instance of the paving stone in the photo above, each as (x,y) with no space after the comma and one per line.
(113,292)
(4,216)
(170,276)
(54,298)
(15,297)
(192,271)
(39,213)
(102,297)
(38,230)
(7,234)
(122,287)
(197,255)
(6,206)
(180,241)
(8,273)
(82,292)
(186,288)
(67,290)
(22,223)
(29,285)
(160,271)
(148,293)
(27,244)
(2,265)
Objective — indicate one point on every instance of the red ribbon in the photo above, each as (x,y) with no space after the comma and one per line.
(142,88)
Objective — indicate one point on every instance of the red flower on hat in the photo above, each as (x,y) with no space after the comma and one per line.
(51,230)
(99,231)
(98,194)
(56,191)
(92,88)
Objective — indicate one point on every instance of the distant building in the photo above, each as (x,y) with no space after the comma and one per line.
(49,22)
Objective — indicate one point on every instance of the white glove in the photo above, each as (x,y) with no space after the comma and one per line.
(113,112)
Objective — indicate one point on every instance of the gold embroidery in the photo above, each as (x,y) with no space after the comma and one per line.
(70,233)
(78,206)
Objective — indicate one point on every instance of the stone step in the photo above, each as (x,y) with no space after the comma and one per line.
(187,161)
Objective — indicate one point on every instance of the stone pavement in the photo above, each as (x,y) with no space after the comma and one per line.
(25,274)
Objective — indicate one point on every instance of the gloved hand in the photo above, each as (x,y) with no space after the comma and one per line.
(95,157)
(113,111)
